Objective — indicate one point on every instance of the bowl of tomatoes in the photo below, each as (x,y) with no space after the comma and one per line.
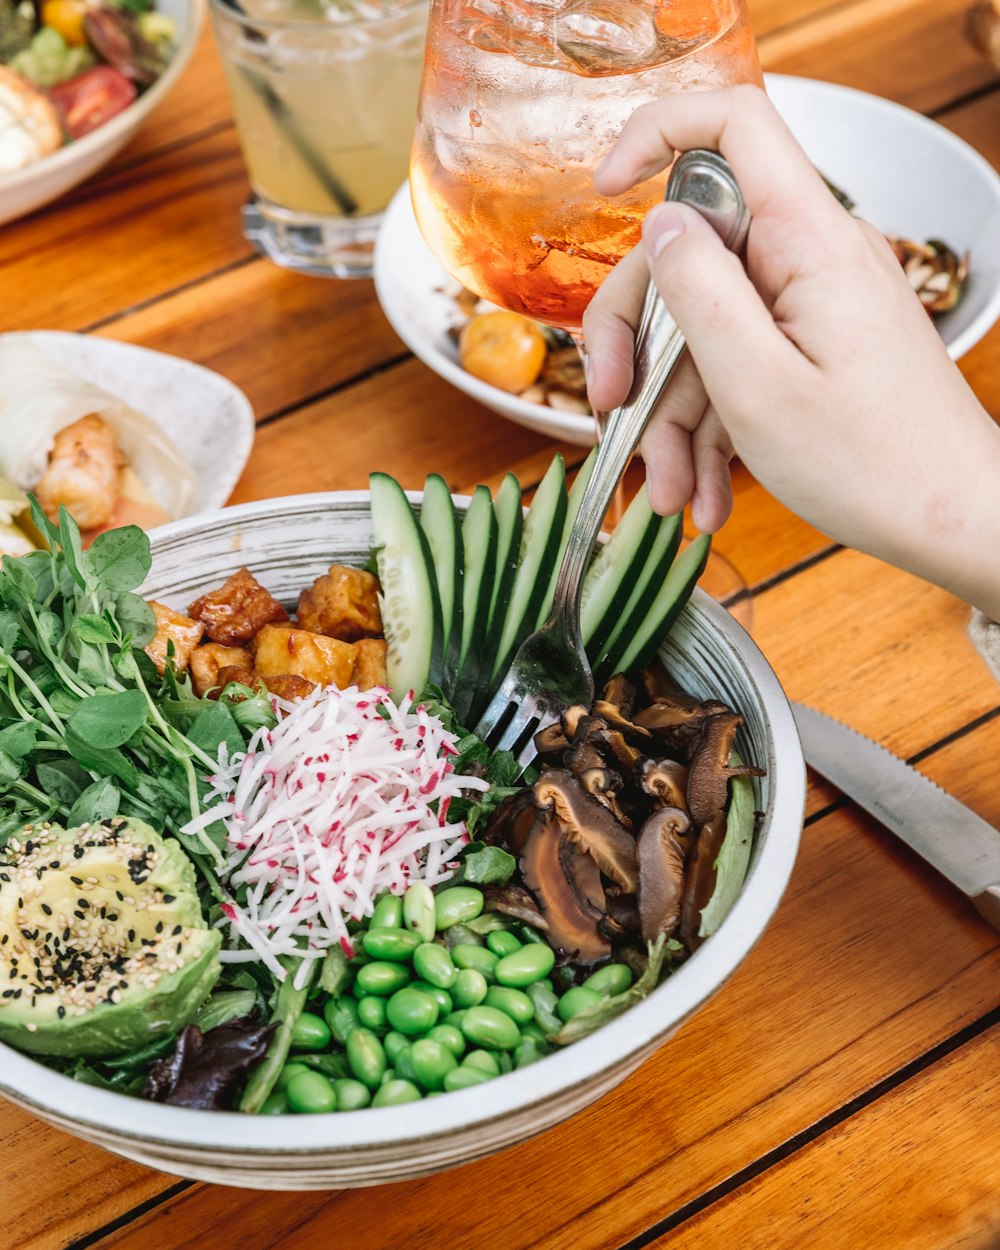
(77,80)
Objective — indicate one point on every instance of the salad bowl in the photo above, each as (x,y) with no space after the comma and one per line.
(285,542)
(45,180)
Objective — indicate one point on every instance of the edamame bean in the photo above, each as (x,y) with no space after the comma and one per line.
(287,1072)
(485,1026)
(531,1029)
(513,1003)
(483,1060)
(575,1000)
(611,979)
(449,1036)
(431,1062)
(388,913)
(351,1094)
(524,967)
(404,1065)
(477,957)
(463,1078)
(457,904)
(393,1043)
(366,1055)
(395,1092)
(440,996)
(396,945)
(310,1093)
(382,979)
(276,1103)
(341,1014)
(502,942)
(433,964)
(371,1012)
(310,1032)
(388,1075)
(469,989)
(455,1019)
(419,911)
(412,1011)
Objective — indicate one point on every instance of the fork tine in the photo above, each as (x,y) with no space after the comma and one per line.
(494,711)
(525,722)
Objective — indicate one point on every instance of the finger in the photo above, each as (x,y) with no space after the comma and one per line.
(741,123)
(712,450)
(609,331)
(729,331)
(666,449)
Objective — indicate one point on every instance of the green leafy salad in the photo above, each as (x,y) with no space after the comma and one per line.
(335,896)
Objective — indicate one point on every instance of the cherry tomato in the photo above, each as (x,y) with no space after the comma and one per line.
(504,349)
(91,99)
(66,16)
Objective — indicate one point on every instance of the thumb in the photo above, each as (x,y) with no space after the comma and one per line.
(729,330)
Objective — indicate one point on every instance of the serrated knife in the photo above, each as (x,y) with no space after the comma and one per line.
(964,848)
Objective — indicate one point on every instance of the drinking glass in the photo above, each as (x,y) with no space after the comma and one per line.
(324,94)
(519,103)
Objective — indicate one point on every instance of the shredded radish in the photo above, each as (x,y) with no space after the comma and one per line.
(345,798)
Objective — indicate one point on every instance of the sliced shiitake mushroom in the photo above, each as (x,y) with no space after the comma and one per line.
(589,825)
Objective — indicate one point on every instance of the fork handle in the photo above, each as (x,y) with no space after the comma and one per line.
(704,180)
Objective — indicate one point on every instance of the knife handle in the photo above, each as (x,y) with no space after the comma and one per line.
(988,905)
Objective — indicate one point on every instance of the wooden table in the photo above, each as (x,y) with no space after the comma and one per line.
(843,1090)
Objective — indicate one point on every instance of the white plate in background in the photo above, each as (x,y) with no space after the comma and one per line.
(208,418)
(907,175)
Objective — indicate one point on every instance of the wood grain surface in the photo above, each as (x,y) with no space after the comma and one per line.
(841,1090)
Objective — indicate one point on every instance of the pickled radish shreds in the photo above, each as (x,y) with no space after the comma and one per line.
(346,797)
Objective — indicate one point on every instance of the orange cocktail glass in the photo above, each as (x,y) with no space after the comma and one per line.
(520,101)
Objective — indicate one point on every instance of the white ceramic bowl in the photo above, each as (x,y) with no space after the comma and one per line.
(287,542)
(208,417)
(908,175)
(53,175)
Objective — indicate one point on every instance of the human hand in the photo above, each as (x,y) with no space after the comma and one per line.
(816,364)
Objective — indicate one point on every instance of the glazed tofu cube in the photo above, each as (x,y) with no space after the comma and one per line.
(289,686)
(173,627)
(343,603)
(369,664)
(234,613)
(325,661)
(207,661)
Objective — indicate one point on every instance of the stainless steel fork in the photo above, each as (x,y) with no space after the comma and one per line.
(550,670)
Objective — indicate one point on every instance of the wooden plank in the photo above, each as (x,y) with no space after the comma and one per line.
(121,241)
(319,334)
(882,1178)
(907,50)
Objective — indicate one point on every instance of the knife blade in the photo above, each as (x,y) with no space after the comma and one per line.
(964,848)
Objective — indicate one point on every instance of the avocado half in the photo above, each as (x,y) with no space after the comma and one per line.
(103,948)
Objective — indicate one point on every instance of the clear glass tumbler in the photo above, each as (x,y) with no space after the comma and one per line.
(521,100)
(325,95)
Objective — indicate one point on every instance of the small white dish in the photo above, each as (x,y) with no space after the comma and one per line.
(209,419)
(907,175)
(47,179)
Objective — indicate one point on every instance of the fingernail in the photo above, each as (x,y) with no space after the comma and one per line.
(661,227)
(585,361)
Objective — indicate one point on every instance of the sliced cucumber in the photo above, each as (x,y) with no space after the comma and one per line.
(645,580)
(540,539)
(510,522)
(638,645)
(479,545)
(610,580)
(411,607)
(440,524)
(572,508)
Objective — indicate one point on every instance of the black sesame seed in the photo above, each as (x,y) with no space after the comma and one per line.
(47,909)
(169,898)
(177,928)
(60,1012)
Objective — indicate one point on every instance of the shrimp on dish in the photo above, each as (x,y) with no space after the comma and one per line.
(84,473)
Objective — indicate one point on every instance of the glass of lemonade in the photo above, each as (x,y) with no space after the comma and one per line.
(324,93)
(521,100)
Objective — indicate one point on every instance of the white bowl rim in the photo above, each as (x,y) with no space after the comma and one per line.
(33,1085)
(125,121)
